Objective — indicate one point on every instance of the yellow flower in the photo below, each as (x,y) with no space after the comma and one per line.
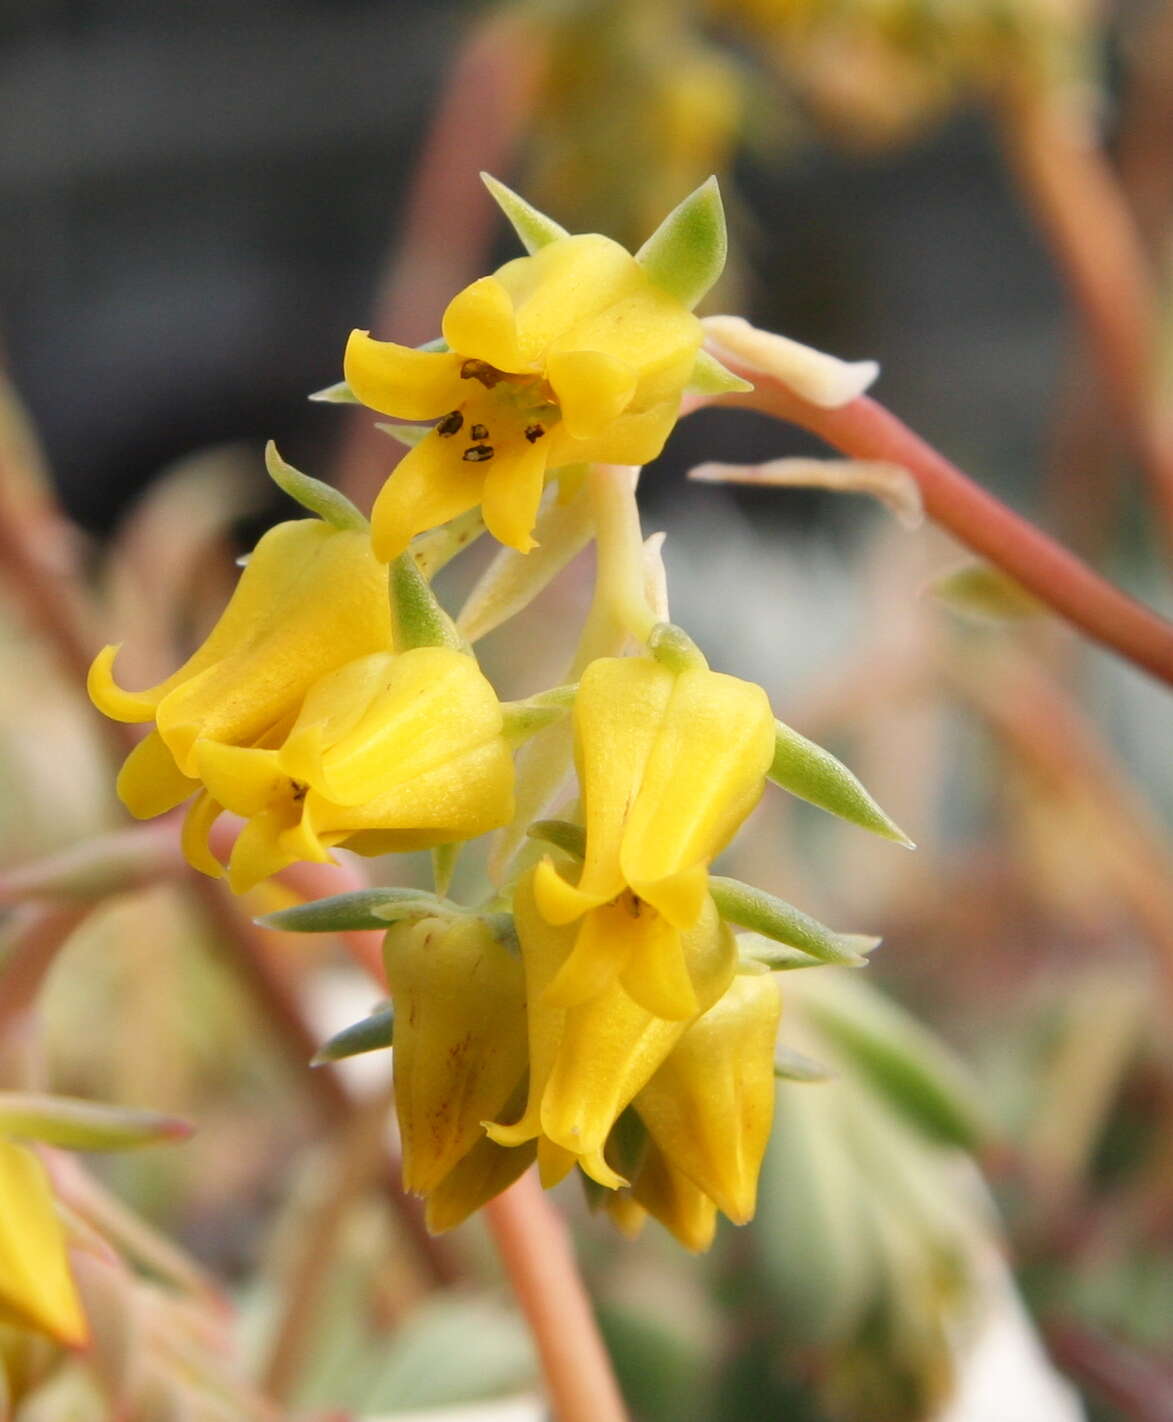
(569,355)
(668,1195)
(460,1043)
(311,598)
(670,763)
(387,753)
(36,1288)
(709,1107)
(586,1063)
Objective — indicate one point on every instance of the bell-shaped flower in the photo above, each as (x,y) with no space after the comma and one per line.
(36,1288)
(311,598)
(670,763)
(571,354)
(671,1197)
(387,753)
(459,1053)
(710,1105)
(587,1062)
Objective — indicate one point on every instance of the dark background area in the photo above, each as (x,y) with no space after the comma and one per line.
(198,199)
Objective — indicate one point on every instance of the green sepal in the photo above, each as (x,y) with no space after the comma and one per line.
(340,394)
(74,1124)
(774,918)
(710,377)
(417,619)
(674,648)
(534,228)
(370,1035)
(759,954)
(814,775)
(685,255)
(525,718)
(410,435)
(362,908)
(911,1068)
(570,839)
(790,1065)
(312,494)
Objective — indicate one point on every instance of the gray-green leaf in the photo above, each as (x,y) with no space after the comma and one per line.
(685,255)
(312,494)
(814,775)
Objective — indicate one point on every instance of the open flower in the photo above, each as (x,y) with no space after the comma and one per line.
(311,598)
(568,355)
(391,752)
(670,764)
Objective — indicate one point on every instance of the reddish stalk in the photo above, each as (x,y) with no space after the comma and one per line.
(535,1246)
(863,429)
(1081,209)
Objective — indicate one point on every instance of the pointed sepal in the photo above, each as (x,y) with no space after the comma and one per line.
(372,1034)
(774,918)
(710,377)
(338,394)
(686,254)
(409,435)
(363,908)
(312,494)
(417,619)
(534,228)
(814,775)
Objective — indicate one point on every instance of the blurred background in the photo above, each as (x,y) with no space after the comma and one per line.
(200,203)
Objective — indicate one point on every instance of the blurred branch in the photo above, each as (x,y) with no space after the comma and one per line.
(1140,1385)
(865,430)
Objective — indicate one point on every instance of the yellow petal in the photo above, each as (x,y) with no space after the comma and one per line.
(705,774)
(110,698)
(593,389)
(480,323)
(481,1175)
(673,1199)
(606,940)
(710,1106)
(399,381)
(197,825)
(554,1162)
(243,779)
(150,783)
(559,902)
(36,1288)
(636,437)
(656,973)
(311,597)
(513,491)
(429,486)
(259,850)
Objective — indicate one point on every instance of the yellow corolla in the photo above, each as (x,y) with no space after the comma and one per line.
(391,752)
(568,355)
(36,1288)
(311,598)
(670,763)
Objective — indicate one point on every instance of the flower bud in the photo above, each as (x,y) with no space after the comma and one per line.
(460,1039)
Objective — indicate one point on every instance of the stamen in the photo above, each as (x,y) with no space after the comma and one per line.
(450,424)
(479,432)
(534,433)
(299,790)
(478,453)
(481,370)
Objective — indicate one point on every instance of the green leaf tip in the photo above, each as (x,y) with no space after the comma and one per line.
(372,1034)
(534,228)
(363,908)
(814,775)
(339,394)
(335,508)
(417,619)
(686,254)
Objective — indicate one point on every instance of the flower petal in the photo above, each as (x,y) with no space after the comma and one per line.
(150,783)
(480,323)
(399,381)
(593,388)
(36,1288)
(193,839)
(513,491)
(428,487)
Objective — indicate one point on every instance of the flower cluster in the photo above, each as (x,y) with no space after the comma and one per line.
(597,1013)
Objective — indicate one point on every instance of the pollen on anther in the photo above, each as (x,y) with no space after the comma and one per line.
(478,453)
(480,370)
(534,433)
(479,432)
(450,424)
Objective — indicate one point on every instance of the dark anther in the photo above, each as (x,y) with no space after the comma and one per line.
(534,433)
(480,370)
(298,789)
(478,453)
(450,424)
(479,432)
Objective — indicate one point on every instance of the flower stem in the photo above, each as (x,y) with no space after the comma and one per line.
(1081,209)
(620,574)
(865,430)
(536,1249)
